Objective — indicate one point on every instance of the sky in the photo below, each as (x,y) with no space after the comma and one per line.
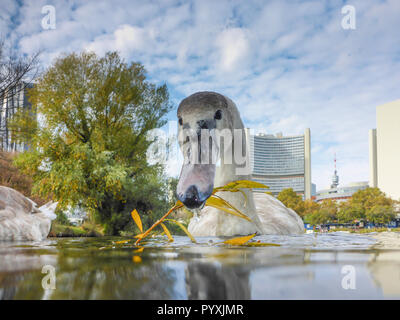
(288,65)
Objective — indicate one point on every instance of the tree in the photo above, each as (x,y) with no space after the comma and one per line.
(370,197)
(310,207)
(380,214)
(89,149)
(292,200)
(325,214)
(16,74)
(349,212)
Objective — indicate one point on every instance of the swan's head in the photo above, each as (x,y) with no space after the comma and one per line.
(201,119)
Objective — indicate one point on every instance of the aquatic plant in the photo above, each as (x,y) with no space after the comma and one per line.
(214,201)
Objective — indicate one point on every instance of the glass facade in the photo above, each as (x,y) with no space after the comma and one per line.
(10,102)
(278,162)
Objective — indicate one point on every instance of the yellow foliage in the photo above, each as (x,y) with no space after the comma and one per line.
(170,238)
(184,229)
(136,218)
(239,241)
(223,205)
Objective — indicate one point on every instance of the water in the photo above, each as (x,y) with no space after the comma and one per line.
(309,266)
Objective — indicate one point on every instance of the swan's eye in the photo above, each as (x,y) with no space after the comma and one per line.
(218,115)
(180,121)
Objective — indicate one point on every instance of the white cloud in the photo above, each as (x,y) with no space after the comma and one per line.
(288,65)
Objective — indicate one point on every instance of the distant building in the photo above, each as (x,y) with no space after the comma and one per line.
(10,101)
(384,150)
(337,193)
(341,193)
(282,162)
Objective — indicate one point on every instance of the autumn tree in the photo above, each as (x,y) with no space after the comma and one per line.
(326,213)
(292,200)
(89,146)
(350,211)
(380,214)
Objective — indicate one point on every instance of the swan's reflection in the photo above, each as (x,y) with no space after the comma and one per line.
(210,281)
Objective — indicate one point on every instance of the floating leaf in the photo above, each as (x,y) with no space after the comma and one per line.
(261,244)
(223,205)
(183,228)
(136,259)
(136,218)
(170,238)
(139,250)
(240,240)
(122,242)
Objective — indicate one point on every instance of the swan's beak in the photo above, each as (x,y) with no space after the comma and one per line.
(196,184)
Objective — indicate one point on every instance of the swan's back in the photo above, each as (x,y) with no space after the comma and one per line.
(275,218)
(19,217)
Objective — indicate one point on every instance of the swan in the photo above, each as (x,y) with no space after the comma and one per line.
(212,139)
(20,219)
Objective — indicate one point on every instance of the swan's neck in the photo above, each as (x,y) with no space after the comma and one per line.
(228,172)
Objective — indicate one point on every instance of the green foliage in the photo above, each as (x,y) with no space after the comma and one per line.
(292,200)
(370,204)
(62,218)
(325,214)
(349,212)
(12,177)
(380,214)
(370,197)
(90,147)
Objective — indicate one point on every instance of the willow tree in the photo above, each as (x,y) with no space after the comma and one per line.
(88,147)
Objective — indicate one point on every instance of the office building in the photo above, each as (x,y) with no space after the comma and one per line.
(282,162)
(384,150)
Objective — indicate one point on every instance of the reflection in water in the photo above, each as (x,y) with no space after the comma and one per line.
(210,281)
(303,267)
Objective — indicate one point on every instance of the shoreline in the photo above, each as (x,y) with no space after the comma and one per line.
(387,240)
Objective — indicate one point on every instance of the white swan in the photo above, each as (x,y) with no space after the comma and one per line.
(216,115)
(20,219)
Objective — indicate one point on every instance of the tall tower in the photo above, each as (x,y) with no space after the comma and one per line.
(335,177)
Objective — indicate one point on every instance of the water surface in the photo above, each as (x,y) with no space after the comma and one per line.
(310,266)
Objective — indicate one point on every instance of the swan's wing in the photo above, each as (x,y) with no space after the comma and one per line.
(275,218)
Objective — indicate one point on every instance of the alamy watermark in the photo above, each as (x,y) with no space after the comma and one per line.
(49,280)
(349,19)
(201,146)
(49,20)
(349,279)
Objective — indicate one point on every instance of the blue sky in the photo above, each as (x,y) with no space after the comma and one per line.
(288,65)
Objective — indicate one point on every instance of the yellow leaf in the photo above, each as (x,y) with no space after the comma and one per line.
(167,232)
(234,186)
(139,250)
(223,205)
(136,218)
(183,228)
(239,241)
(121,242)
(136,259)
(139,236)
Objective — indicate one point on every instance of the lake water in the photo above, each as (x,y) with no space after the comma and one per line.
(310,266)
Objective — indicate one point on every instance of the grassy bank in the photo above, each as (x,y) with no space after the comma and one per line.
(365,230)
(85,230)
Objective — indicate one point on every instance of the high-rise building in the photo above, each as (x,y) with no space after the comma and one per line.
(10,102)
(282,162)
(384,149)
